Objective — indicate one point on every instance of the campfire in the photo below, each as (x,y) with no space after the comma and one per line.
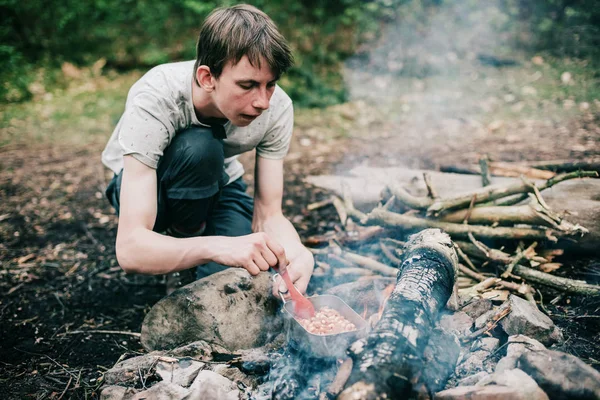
(394,319)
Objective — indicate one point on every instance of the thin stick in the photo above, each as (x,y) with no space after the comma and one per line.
(431,192)
(395,260)
(135,334)
(485,171)
(520,255)
(401,221)
(496,318)
(340,209)
(465,258)
(368,263)
(494,192)
(319,204)
(67,387)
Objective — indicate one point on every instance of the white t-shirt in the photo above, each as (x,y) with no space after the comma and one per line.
(159,106)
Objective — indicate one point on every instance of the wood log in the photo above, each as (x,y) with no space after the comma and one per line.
(391,361)
(579,199)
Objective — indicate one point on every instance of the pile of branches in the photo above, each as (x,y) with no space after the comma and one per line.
(496,231)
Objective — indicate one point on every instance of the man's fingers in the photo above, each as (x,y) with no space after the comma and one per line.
(269,257)
(252,268)
(278,252)
(261,263)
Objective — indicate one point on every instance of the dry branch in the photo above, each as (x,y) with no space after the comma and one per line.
(495,192)
(532,275)
(400,221)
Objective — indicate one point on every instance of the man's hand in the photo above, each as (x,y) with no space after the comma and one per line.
(300,270)
(255,252)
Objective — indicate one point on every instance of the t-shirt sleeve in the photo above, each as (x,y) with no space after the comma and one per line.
(142,133)
(276,142)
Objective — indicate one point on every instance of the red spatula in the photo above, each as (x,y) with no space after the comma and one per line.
(303,308)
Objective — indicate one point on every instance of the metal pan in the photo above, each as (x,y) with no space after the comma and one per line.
(326,346)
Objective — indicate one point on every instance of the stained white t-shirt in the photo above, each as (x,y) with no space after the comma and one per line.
(159,105)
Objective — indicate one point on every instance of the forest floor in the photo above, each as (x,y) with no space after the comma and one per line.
(60,282)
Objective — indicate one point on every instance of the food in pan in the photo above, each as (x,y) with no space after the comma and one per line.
(326,321)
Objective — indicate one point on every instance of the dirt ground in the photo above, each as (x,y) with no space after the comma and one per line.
(60,283)
(60,276)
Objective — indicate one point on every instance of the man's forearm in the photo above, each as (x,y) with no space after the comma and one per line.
(147,252)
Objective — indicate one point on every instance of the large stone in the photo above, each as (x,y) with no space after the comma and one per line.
(163,390)
(458,323)
(133,370)
(181,372)
(491,392)
(517,345)
(211,386)
(230,308)
(116,392)
(518,380)
(526,319)
(477,307)
(561,375)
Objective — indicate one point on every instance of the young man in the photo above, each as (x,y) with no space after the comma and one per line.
(174,154)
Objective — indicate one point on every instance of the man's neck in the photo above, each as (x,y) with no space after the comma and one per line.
(205,110)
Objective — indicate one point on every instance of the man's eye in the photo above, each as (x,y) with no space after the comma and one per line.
(246,87)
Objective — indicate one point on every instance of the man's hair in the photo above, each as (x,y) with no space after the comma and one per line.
(230,33)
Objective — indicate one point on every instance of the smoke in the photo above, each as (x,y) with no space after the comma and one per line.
(434,77)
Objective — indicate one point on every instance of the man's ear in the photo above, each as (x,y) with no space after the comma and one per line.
(205,79)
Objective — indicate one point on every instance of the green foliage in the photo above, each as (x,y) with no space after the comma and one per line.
(142,33)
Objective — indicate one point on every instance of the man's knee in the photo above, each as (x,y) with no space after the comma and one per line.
(194,151)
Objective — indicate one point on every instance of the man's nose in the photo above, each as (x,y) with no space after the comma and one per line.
(261,100)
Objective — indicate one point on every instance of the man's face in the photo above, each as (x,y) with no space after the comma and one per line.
(243,91)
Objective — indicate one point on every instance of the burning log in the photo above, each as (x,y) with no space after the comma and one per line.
(390,361)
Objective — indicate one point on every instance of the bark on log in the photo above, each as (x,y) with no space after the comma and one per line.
(391,361)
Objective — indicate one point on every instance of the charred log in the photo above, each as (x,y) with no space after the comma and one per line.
(391,361)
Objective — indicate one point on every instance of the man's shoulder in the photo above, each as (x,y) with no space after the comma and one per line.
(280,98)
(165,77)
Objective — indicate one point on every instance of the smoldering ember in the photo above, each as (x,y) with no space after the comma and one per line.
(454,311)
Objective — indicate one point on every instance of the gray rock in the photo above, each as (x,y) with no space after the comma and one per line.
(526,319)
(506,363)
(473,379)
(163,390)
(199,350)
(561,375)
(486,317)
(477,307)
(115,392)
(519,344)
(489,344)
(515,346)
(211,386)
(181,372)
(235,375)
(474,362)
(517,379)
(458,323)
(132,370)
(491,392)
(230,308)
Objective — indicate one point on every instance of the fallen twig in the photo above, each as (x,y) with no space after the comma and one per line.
(107,332)
(494,192)
(401,221)
(369,263)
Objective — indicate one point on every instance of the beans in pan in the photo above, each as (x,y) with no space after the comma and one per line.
(327,321)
